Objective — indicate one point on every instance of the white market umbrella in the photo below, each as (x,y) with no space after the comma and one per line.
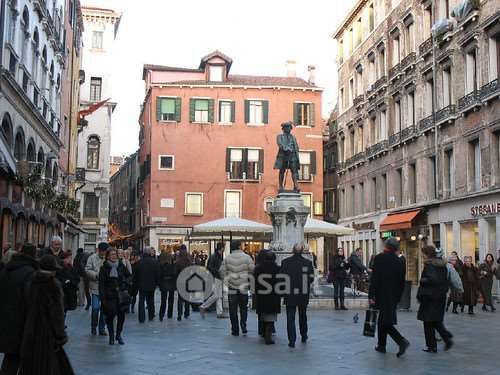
(231,226)
(320,228)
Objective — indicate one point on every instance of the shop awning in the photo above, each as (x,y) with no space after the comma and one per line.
(403,220)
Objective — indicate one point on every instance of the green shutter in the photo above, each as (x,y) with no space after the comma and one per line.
(191,109)
(178,109)
(265,112)
(158,109)
(244,161)
(219,111)
(247,111)
(313,162)
(261,161)
(210,110)
(228,160)
(295,114)
(233,112)
(312,115)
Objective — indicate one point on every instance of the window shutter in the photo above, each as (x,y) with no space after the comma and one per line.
(247,111)
(261,161)
(313,162)
(210,110)
(233,112)
(265,111)
(295,114)
(158,109)
(312,115)
(245,161)
(191,110)
(219,111)
(228,160)
(178,109)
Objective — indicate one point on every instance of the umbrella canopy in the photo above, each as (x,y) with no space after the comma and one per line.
(231,226)
(320,228)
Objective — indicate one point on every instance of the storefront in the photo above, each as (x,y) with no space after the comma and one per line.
(366,238)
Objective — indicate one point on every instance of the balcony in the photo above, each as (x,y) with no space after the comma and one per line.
(446,114)
(355,160)
(426,47)
(358,101)
(394,139)
(340,166)
(380,83)
(469,102)
(408,133)
(395,72)
(490,90)
(426,124)
(408,62)
(376,149)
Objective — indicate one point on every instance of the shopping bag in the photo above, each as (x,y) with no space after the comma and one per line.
(370,322)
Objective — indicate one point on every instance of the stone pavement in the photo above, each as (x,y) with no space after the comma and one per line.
(197,346)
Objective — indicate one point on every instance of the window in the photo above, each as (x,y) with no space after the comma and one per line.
(411,108)
(232,203)
(371,18)
(399,187)
(91,237)
(226,112)
(256,112)
(341,100)
(449,172)
(412,182)
(352,143)
(474,165)
(252,170)
(494,58)
(373,130)
(168,109)
(97,39)
(359,32)
(359,83)
(244,163)
(352,201)
(397,116)
(305,166)
(166,162)
(447,97)
(236,164)
(90,205)
(372,71)
(429,90)
(351,91)
(216,73)
(361,198)
(410,37)
(342,204)
(382,126)
(375,195)
(194,204)
(304,114)
(341,51)
(201,110)
(361,139)
(268,203)
(471,71)
(383,198)
(382,63)
(396,52)
(432,178)
(93,146)
(95,89)
(307,199)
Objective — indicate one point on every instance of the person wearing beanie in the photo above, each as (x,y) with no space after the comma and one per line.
(92,268)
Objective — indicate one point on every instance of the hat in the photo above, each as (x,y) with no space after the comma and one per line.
(103,246)
(49,263)
(392,244)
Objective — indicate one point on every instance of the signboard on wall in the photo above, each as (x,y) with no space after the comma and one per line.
(388,234)
(485,209)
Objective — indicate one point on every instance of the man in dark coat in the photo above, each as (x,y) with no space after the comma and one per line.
(147,278)
(297,269)
(386,288)
(15,279)
(55,249)
(214,264)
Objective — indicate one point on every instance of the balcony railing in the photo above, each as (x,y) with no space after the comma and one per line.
(468,101)
(425,47)
(380,83)
(394,71)
(358,100)
(394,139)
(426,123)
(376,149)
(408,132)
(445,114)
(408,61)
(490,90)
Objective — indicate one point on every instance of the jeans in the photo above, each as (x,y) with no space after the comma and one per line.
(120,315)
(97,314)
(290,322)
(167,295)
(149,298)
(10,364)
(182,304)
(338,288)
(430,335)
(215,297)
(238,299)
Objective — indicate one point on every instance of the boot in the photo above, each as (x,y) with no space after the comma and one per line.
(342,306)
(493,309)
(268,334)
(119,339)
(111,336)
(336,304)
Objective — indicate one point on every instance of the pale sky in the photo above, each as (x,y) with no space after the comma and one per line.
(259,35)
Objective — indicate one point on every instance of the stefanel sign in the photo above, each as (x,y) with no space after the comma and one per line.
(485,209)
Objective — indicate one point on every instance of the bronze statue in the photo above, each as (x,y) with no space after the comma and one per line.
(288,157)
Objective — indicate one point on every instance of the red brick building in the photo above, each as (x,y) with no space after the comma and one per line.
(208,145)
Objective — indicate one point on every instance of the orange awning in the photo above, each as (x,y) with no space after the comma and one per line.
(401,220)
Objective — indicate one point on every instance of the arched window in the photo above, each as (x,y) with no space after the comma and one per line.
(7,130)
(13,21)
(55,174)
(48,171)
(25,23)
(19,146)
(93,146)
(58,94)
(40,160)
(51,84)
(30,151)
(43,84)
(34,55)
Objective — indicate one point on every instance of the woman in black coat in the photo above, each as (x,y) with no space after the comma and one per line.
(487,271)
(470,281)
(167,284)
(69,278)
(432,297)
(268,301)
(338,269)
(113,291)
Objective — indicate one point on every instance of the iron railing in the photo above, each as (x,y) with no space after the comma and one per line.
(426,123)
(445,113)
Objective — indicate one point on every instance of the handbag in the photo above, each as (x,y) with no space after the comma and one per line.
(370,325)
(123,300)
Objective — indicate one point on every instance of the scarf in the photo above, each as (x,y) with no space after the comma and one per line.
(114,269)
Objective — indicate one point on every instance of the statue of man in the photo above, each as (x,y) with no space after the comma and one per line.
(288,157)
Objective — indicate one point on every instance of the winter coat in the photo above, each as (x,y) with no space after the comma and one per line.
(92,268)
(470,280)
(110,287)
(339,267)
(486,274)
(432,291)
(15,279)
(356,265)
(214,264)
(168,276)
(387,285)
(300,271)
(133,288)
(235,270)
(147,275)
(48,251)
(266,277)
(44,332)
(69,280)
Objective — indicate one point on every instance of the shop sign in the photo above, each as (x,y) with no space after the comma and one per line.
(363,226)
(388,234)
(485,209)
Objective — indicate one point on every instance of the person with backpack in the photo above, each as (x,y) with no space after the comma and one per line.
(15,280)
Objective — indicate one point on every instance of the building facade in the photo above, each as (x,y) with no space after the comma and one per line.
(94,137)
(34,60)
(208,146)
(418,126)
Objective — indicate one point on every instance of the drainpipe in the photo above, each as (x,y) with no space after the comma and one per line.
(434,101)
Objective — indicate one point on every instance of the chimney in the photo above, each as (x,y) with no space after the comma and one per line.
(312,74)
(291,68)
